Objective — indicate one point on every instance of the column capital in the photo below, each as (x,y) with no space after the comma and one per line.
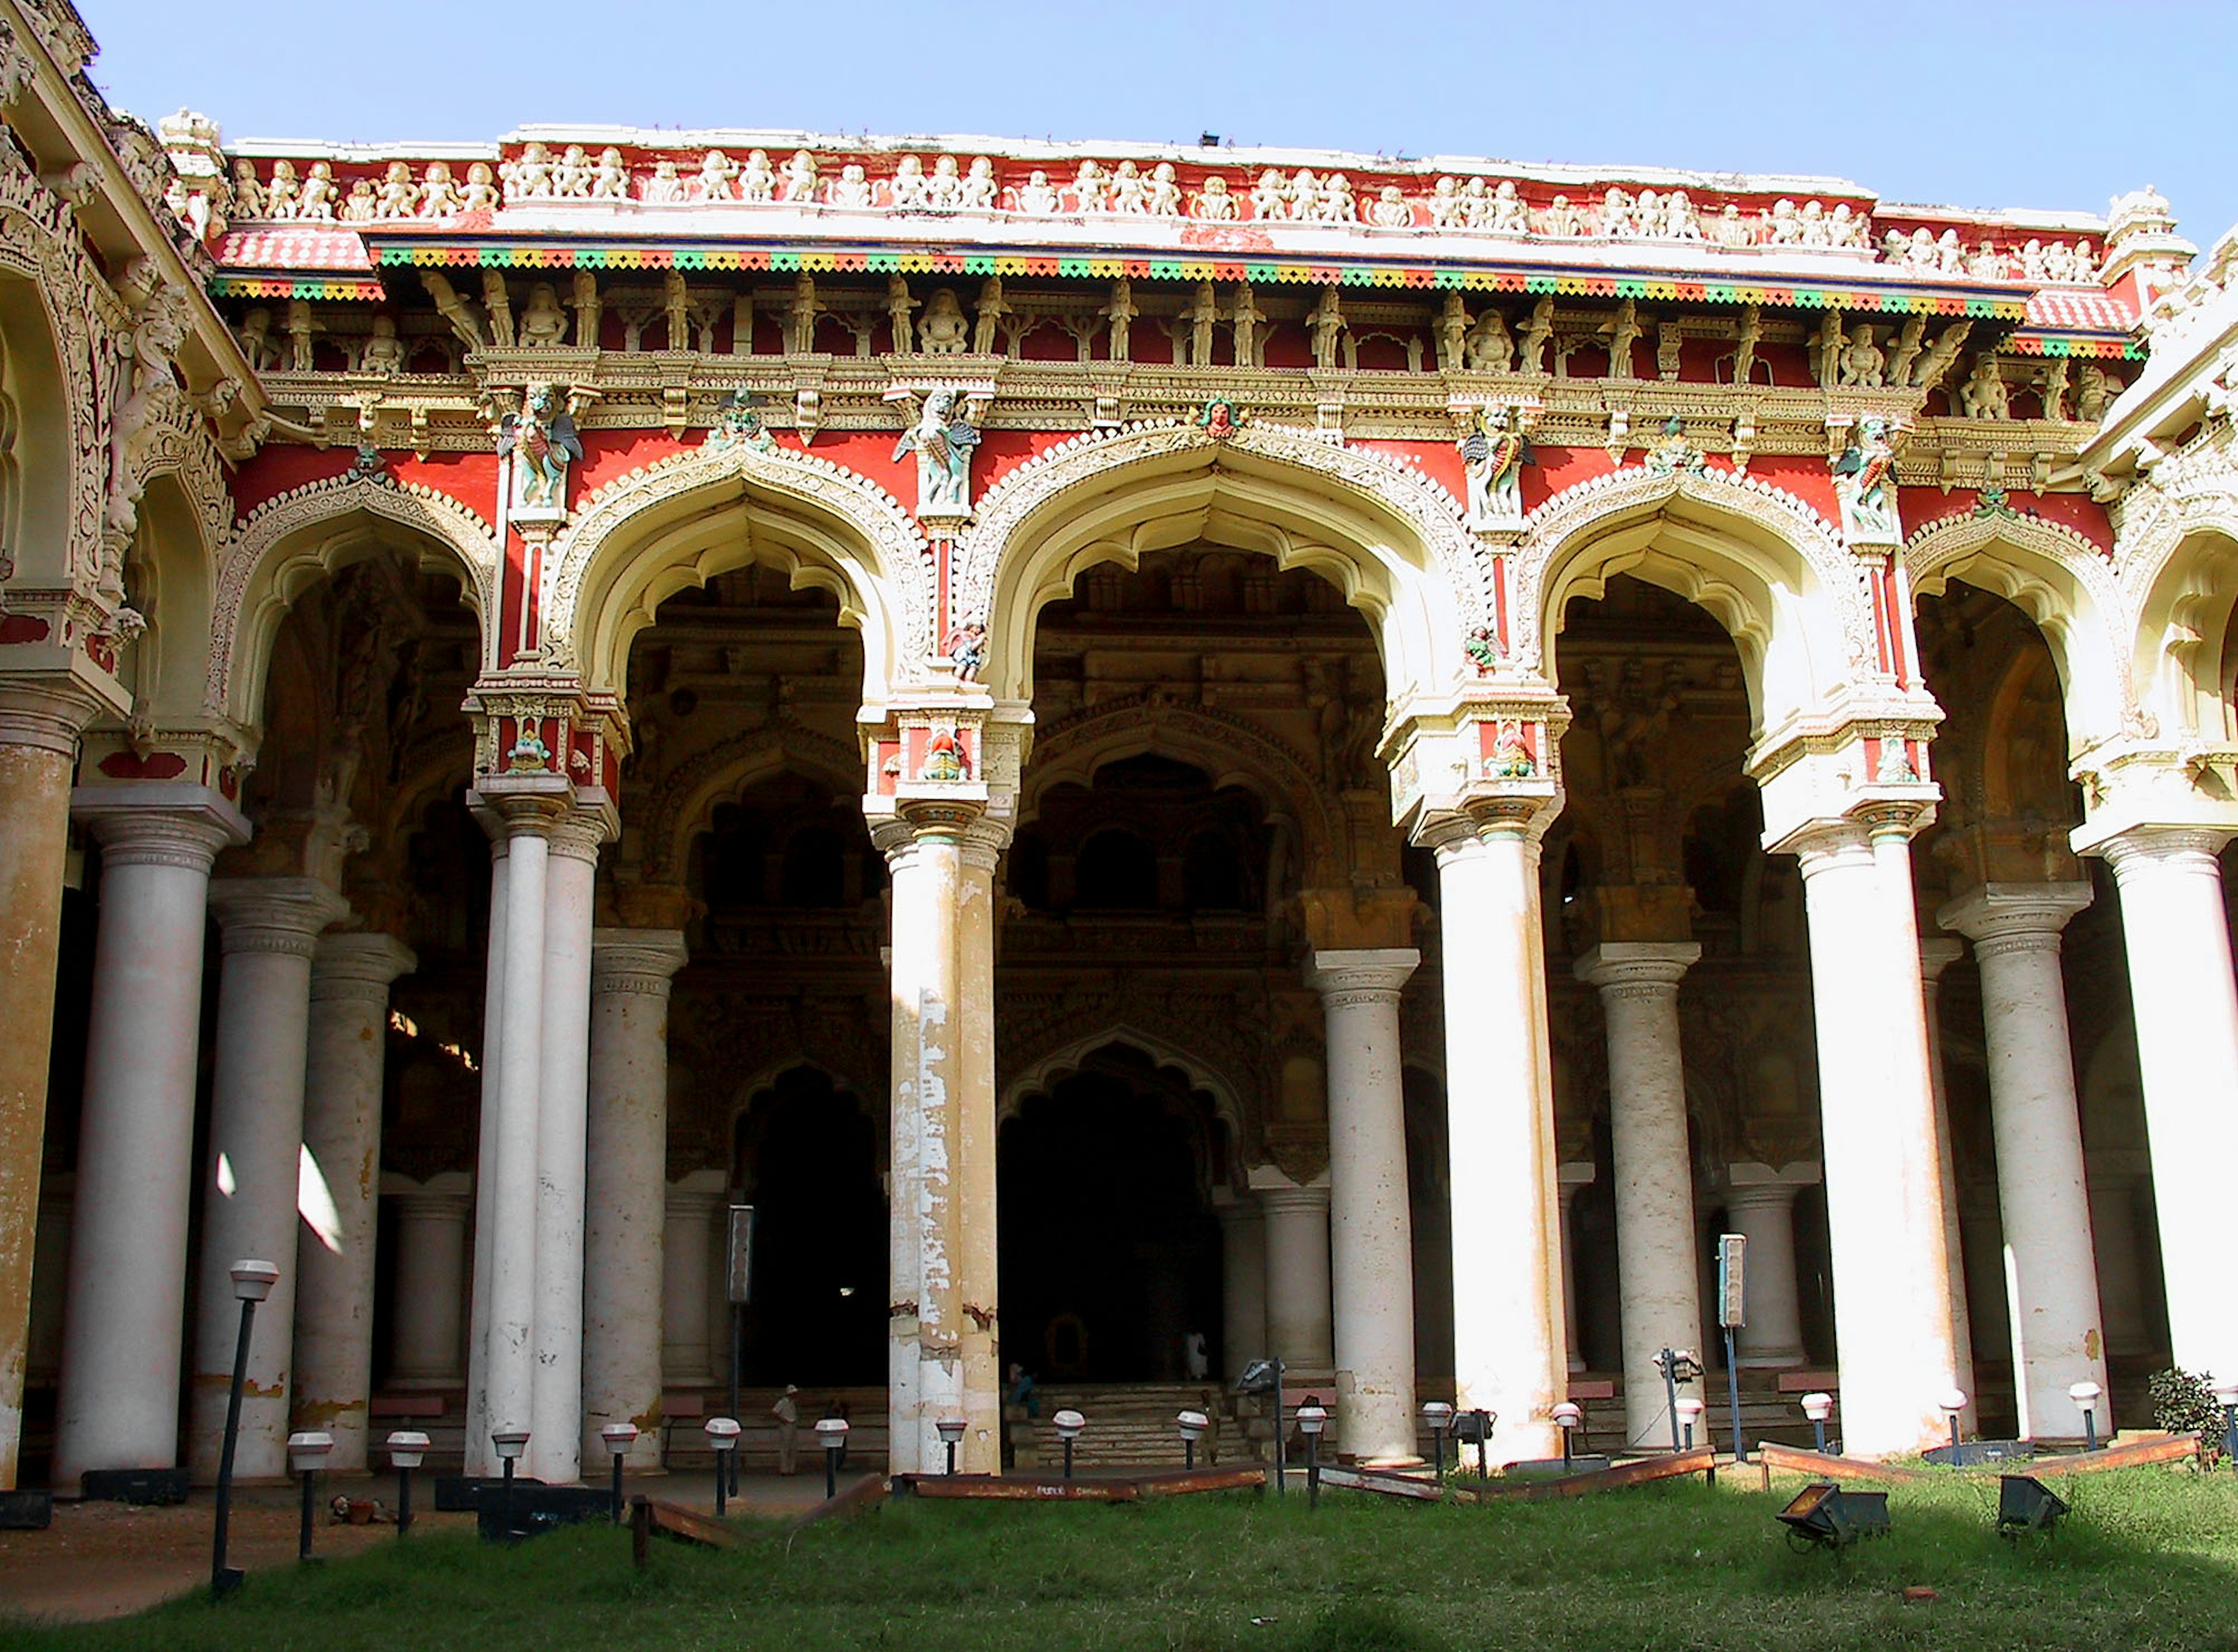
(1937,954)
(510,806)
(358,965)
(2195,846)
(1362,974)
(1290,1196)
(282,915)
(1755,1185)
(48,711)
(159,823)
(583,829)
(636,961)
(1638,969)
(2014,917)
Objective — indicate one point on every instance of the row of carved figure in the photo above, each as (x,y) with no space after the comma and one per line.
(1473,204)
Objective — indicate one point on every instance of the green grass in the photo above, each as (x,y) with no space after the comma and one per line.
(2148,1560)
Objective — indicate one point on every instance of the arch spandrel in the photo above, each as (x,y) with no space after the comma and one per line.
(1056,1066)
(310,532)
(1386,535)
(666,818)
(676,522)
(2176,558)
(169,579)
(1763,562)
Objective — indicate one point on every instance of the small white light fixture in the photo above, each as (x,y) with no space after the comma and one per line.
(1690,1412)
(723,1432)
(2226,1393)
(951,1429)
(253,1280)
(1312,1419)
(2085,1395)
(407,1449)
(618,1437)
(509,1443)
(1068,1424)
(1437,1414)
(306,1452)
(1952,1402)
(1568,1415)
(831,1433)
(1819,1407)
(1192,1425)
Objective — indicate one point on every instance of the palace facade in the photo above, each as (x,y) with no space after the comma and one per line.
(1160,756)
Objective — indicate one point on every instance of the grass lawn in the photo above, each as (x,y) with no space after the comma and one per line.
(2148,1560)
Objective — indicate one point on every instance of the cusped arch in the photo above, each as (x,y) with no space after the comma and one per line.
(1053,1069)
(1768,567)
(2178,562)
(683,519)
(671,815)
(1390,538)
(2057,577)
(311,532)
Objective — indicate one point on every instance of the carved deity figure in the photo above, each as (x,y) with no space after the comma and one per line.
(1864,483)
(979,189)
(1121,312)
(1491,349)
(361,205)
(539,440)
(1036,196)
(1214,203)
(1537,332)
(1941,355)
(497,305)
(384,350)
(1247,321)
(800,317)
(1091,189)
(611,181)
(1325,321)
(1453,329)
(665,187)
(905,190)
(543,324)
(529,177)
(481,193)
(248,197)
(739,424)
(987,320)
(1445,203)
(1674,452)
(257,342)
(1162,196)
(942,330)
(1200,317)
(757,179)
(399,196)
(2095,391)
(944,757)
(899,306)
(1509,216)
(317,201)
(284,199)
(573,174)
(1270,197)
(438,195)
(713,183)
(1493,454)
(851,191)
(1622,330)
(1511,754)
(967,651)
(1391,210)
(1862,360)
(798,189)
(1130,192)
(943,439)
(1983,395)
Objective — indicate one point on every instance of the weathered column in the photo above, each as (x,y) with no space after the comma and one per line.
(976,1128)
(480,1460)
(1371,1235)
(341,1138)
(1568,1179)
(1242,1284)
(2114,1175)
(268,929)
(2177,937)
(1509,1346)
(125,1318)
(1884,1174)
(2051,1273)
(1298,1274)
(1937,954)
(1760,1204)
(686,1248)
(1659,1273)
(39,724)
(556,1400)
(431,1278)
(627,1208)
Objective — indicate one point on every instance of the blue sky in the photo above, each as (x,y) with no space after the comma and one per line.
(2050,104)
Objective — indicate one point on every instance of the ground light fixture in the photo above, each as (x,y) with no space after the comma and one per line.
(1068,1424)
(950,1430)
(619,1437)
(1819,1407)
(251,1283)
(407,1449)
(2085,1395)
(1690,1412)
(723,1435)
(307,1455)
(1951,1405)
(2226,1396)
(1477,1426)
(1437,1417)
(1313,1417)
(832,1435)
(1192,1425)
(509,1443)
(1568,1417)
(2026,1504)
(1822,1516)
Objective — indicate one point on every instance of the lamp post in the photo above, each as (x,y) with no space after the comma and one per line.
(618,1437)
(832,1435)
(1068,1424)
(1951,1405)
(1569,1417)
(2226,1396)
(950,1430)
(1192,1425)
(251,1283)
(2085,1395)
(1819,1408)
(1690,1412)
(1437,1417)
(306,1454)
(407,1448)
(1312,1419)
(723,1435)
(509,1443)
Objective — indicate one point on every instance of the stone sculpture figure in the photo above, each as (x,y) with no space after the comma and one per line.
(1909,340)
(979,189)
(440,196)
(248,197)
(1445,203)
(1247,321)
(458,310)
(1984,395)
(986,322)
(611,181)
(1863,359)
(1121,312)
(256,341)
(1214,203)
(1536,333)
(284,199)
(1864,483)
(942,330)
(1391,210)
(1162,194)
(497,305)
(1622,330)
(1493,454)
(1201,315)
(1491,349)
(384,350)
(2095,391)
(1941,355)
(739,424)
(1325,322)
(757,179)
(301,327)
(361,205)
(799,186)
(543,323)
(1035,197)
(665,187)
(851,191)
(2051,388)
(716,171)
(943,439)
(481,193)
(899,305)
(573,175)
(1510,216)
(1128,194)
(317,201)
(905,190)
(944,192)
(1826,350)
(1270,197)
(1750,335)
(399,196)
(1453,329)
(539,440)
(1091,190)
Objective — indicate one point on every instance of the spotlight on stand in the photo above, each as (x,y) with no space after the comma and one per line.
(723,1435)
(832,1435)
(1068,1424)
(1437,1417)
(1475,1426)
(619,1437)
(251,1283)
(1265,1376)
(950,1430)
(1690,1412)
(1569,1418)
(1950,1405)
(307,1455)
(1192,1425)
(2026,1504)
(1824,1516)
(407,1449)
(1819,1408)
(1312,1419)
(2085,1395)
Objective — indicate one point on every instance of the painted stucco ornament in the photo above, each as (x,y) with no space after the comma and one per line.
(539,440)
(1494,451)
(1482,646)
(529,754)
(1864,483)
(966,650)
(1673,454)
(944,757)
(739,424)
(943,439)
(1218,419)
(1511,758)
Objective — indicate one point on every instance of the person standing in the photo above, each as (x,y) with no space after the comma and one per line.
(788,1428)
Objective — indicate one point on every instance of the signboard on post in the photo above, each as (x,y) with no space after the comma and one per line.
(738,1271)
(1731,1248)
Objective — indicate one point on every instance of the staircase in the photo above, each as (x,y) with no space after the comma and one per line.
(1129,1425)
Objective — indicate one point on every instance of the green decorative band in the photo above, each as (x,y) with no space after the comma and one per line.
(365,288)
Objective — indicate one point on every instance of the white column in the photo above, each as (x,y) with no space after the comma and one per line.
(431,1278)
(2114,1175)
(1937,954)
(341,1137)
(1659,1273)
(1508,1351)
(1760,1204)
(1568,1179)
(556,1401)
(1884,1176)
(2051,1273)
(125,1318)
(1370,1232)
(979,1288)
(480,1460)
(268,930)
(627,1207)
(1243,1284)
(1298,1274)
(687,1245)
(2177,934)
